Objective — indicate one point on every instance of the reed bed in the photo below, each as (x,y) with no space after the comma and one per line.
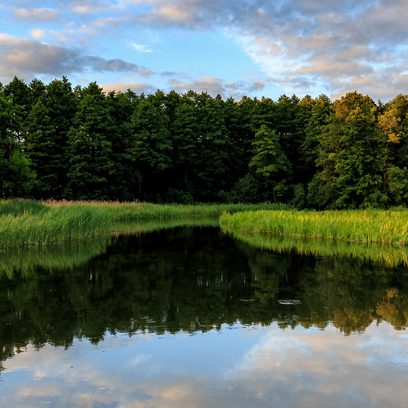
(19,206)
(51,226)
(26,222)
(357,226)
(139,211)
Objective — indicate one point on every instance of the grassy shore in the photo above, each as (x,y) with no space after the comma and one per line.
(26,222)
(360,226)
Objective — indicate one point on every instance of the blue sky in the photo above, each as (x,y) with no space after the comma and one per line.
(230,47)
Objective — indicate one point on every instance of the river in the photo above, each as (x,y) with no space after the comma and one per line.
(190,317)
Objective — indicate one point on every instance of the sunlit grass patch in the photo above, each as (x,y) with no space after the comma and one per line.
(26,222)
(360,226)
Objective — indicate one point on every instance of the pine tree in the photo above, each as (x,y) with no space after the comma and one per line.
(47,137)
(151,145)
(270,163)
(90,148)
(16,178)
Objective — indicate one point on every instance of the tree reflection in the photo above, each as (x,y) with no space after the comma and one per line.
(190,279)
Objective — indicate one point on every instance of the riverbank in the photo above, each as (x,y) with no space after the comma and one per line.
(355,226)
(27,222)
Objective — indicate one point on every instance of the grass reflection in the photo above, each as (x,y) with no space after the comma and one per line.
(389,255)
(68,255)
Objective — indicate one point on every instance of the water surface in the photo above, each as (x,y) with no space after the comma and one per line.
(189,317)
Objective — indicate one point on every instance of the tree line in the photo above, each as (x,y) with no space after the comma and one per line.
(63,142)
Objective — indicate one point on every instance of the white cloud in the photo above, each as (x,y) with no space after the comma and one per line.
(137,87)
(141,47)
(213,86)
(36,14)
(28,58)
(304,46)
(37,33)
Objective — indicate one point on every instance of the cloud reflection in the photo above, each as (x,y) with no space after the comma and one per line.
(280,368)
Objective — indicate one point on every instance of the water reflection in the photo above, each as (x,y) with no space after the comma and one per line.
(190,317)
(390,255)
(192,280)
(256,367)
(27,261)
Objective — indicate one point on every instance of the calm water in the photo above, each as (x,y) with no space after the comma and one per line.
(188,317)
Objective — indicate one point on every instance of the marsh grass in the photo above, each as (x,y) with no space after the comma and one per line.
(359,226)
(51,226)
(20,206)
(26,222)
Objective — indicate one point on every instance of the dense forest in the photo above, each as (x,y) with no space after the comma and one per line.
(63,142)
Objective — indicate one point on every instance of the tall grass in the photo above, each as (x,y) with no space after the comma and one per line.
(359,226)
(25,222)
(136,211)
(19,206)
(51,226)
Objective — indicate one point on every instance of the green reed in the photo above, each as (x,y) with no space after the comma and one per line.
(357,226)
(26,222)
(20,206)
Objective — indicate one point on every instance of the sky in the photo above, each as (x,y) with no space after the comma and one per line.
(227,47)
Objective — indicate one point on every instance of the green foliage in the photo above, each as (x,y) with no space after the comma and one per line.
(350,162)
(268,159)
(270,163)
(184,150)
(90,147)
(213,145)
(397,179)
(299,196)
(19,94)
(46,141)
(320,113)
(63,143)
(246,189)
(121,107)
(151,137)
(151,145)
(16,178)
